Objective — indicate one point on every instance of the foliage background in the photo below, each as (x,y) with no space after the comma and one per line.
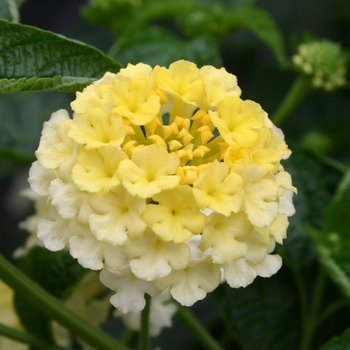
(273,312)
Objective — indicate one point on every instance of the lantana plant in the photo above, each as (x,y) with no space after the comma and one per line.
(163,187)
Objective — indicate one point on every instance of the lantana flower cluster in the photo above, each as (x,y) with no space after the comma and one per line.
(164,179)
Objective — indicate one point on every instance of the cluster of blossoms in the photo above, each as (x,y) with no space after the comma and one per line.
(165,179)
(324,62)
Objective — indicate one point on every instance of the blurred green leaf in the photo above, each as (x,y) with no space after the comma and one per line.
(219,20)
(263,315)
(9,10)
(336,217)
(113,14)
(334,247)
(21,122)
(260,23)
(338,343)
(36,60)
(120,15)
(230,4)
(154,45)
(57,273)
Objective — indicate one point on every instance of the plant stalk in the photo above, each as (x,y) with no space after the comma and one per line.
(54,309)
(144,334)
(297,93)
(202,335)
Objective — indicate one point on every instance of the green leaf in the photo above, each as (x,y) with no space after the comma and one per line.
(263,315)
(121,15)
(336,217)
(298,249)
(154,45)
(334,248)
(260,23)
(57,273)
(337,266)
(36,60)
(341,342)
(21,122)
(33,321)
(57,83)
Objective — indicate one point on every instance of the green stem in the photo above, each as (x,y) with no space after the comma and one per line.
(27,339)
(202,335)
(144,334)
(298,91)
(54,309)
(311,320)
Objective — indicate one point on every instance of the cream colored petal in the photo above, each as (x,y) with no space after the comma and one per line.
(55,147)
(193,283)
(53,231)
(133,99)
(239,273)
(218,190)
(130,290)
(40,179)
(176,217)
(226,236)
(96,170)
(97,128)
(149,171)
(151,258)
(116,216)
(91,253)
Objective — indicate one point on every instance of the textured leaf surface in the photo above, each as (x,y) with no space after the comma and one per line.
(263,315)
(336,217)
(298,249)
(57,273)
(334,248)
(36,60)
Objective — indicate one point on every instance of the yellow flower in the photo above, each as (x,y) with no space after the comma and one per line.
(133,100)
(55,145)
(176,217)
(95,169)
(219,190)
(164,179)
(226,236)
(97,128)
(117,215)
(238,121)
(150,170)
